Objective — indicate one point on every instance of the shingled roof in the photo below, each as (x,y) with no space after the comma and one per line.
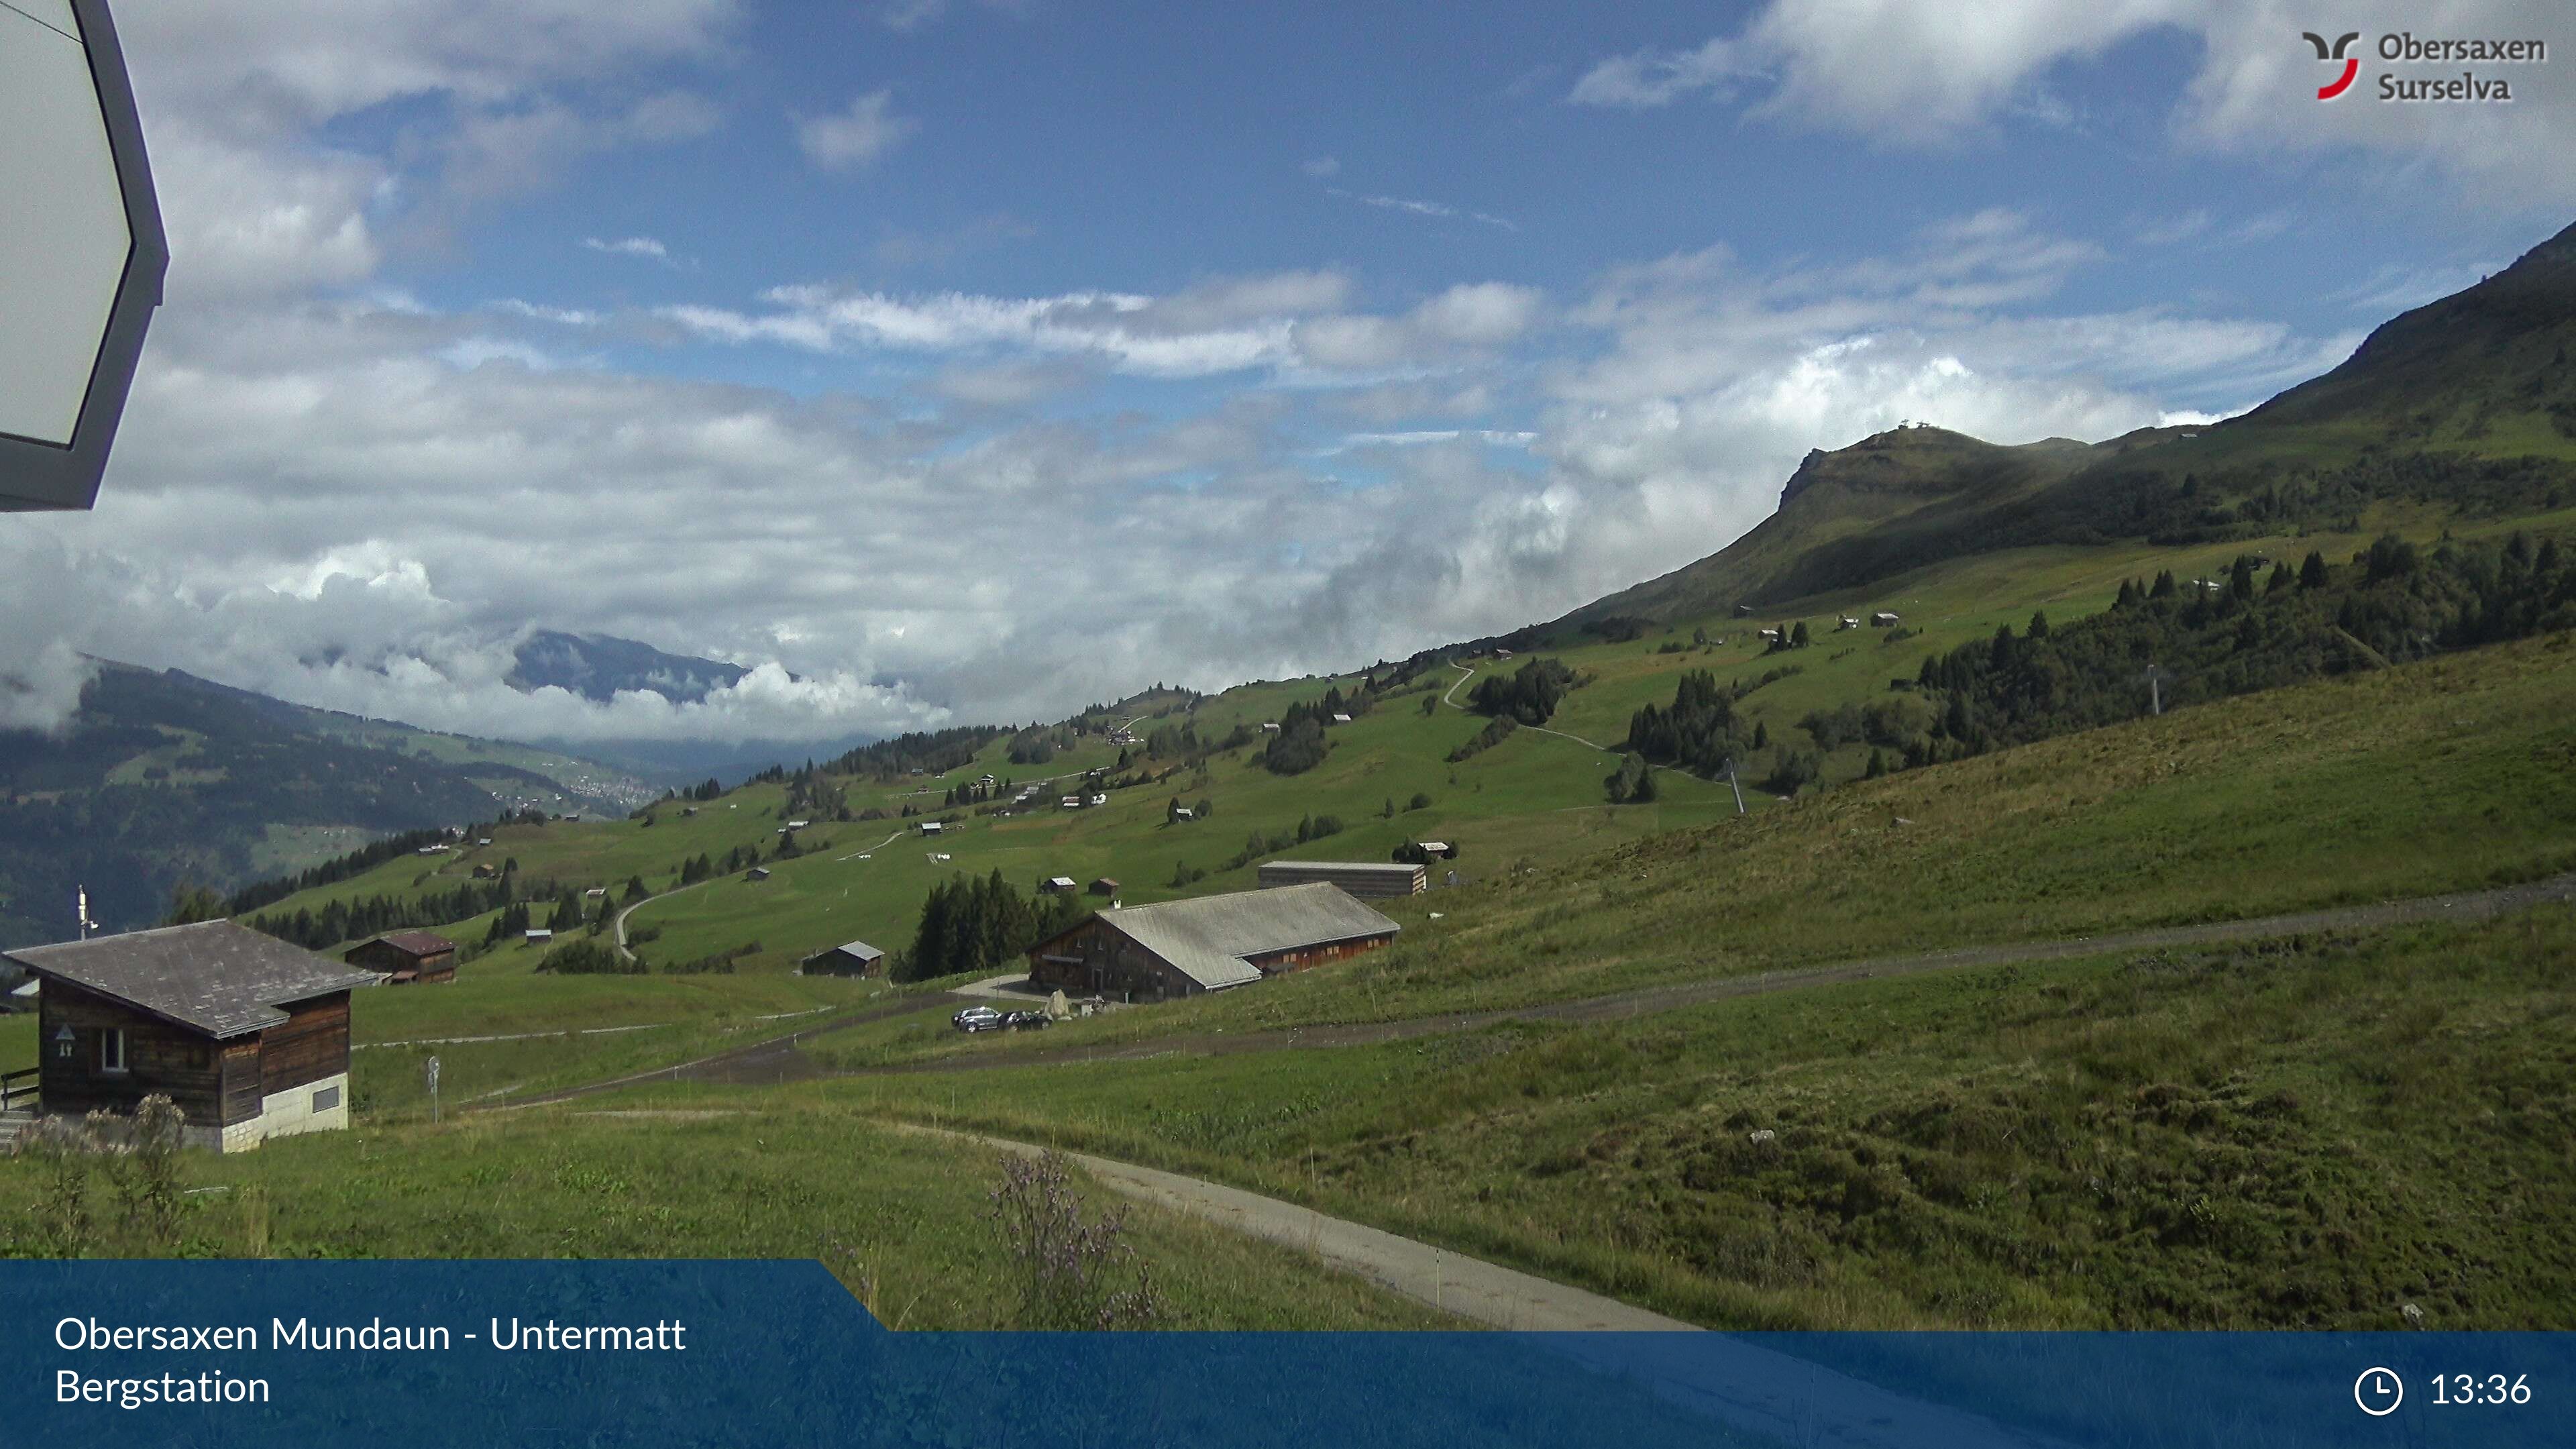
(417,943)
(216,977)
(1207,937)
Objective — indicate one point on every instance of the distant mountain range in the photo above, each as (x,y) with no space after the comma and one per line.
(165,778)
(598,666)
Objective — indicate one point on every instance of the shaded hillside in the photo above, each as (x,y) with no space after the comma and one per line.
(2487,358)
(1855,514)
(597,666)
(164,777)
(2466,403)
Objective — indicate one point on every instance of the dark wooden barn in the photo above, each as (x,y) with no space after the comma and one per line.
(851,958)
(404,957)
(247,1035)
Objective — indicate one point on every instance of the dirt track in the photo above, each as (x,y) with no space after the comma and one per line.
(775,1059)
(779,1060)
(1754,1389)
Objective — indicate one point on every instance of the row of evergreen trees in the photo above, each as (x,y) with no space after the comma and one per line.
(1310,827)
(1530,695)
(568,911)
(1700,731)
(2394,602)
(365,858)
(933,752)
(351,920)
(1299,745)
(980,925)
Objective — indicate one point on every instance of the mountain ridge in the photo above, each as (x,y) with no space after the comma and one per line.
(164,777)
(2467,401)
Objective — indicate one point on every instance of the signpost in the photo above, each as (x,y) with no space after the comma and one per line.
(81,249)
(431,1072)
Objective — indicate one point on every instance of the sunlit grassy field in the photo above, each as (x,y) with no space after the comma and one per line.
(2454,773)
(1534,800)
(2291,1134)
(898,1216)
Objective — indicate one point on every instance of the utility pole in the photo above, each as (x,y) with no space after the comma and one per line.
(2156,678)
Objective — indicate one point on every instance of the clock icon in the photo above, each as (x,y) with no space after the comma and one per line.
(2378,1391)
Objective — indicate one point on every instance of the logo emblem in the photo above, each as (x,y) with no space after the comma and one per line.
(2351,64)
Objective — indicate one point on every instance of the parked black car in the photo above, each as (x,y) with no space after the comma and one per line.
(1026,1021)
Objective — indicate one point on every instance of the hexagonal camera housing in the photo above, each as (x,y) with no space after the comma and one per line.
(82,253)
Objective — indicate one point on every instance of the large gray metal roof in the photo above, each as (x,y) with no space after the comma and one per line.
(216,977)
(1345,867)
(1207,937)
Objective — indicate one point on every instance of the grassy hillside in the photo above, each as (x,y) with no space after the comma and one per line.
(897,1216)
(2333,792)
(2311,1133)
(2330,794)
(1856,514)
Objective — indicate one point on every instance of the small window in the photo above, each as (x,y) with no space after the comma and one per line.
(326,1099)
(111,1050)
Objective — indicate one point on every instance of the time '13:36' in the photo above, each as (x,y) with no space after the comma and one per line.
(2471,1389)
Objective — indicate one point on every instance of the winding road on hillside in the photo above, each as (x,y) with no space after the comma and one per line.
(1450,700)
(617,923)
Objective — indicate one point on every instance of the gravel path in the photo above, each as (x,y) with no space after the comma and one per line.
(774,1060)
(1755,1389)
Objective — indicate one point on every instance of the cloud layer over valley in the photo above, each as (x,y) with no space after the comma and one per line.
(363,459)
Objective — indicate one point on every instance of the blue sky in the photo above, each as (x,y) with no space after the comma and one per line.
(1039,151)
(976,360)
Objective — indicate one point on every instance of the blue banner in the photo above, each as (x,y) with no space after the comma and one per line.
(409,1355)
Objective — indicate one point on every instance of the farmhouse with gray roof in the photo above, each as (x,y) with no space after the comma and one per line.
(1208,943)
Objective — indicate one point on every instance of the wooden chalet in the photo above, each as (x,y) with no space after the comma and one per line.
(404,957)
(1206,943)
(247,1035)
